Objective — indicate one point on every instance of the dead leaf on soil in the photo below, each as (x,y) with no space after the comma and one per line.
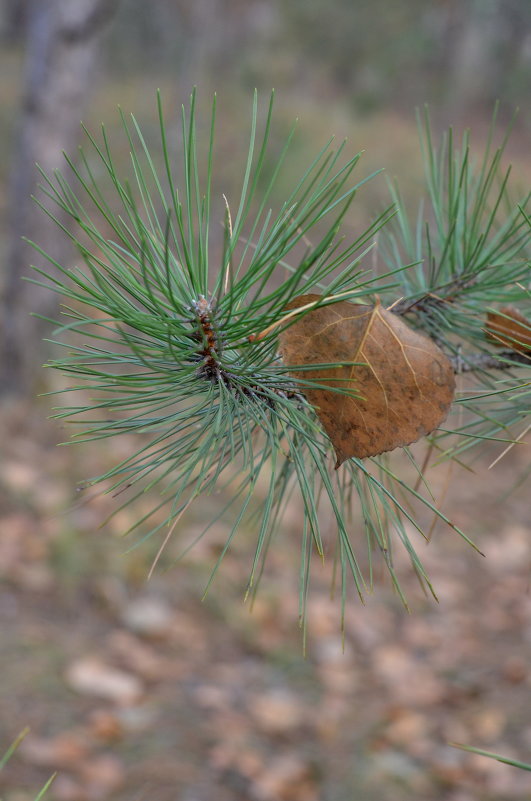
(102,776)
(400,389)
(90,676)
(148,616)
(105,726)
(288,777)
(277,712)
(62,751)
(508,328)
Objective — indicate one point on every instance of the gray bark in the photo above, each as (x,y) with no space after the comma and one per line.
(61,49)
(487,43)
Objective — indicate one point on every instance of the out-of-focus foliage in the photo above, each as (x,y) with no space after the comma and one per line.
(371,52)
(384,52)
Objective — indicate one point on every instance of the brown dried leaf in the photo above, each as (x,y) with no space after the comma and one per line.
(401,391)
(105,725)
(102,776)
(508,328)
(90,676)
(62,751)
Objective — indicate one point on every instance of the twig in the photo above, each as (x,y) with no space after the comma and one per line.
(448,293)
(440,296)
(505,360)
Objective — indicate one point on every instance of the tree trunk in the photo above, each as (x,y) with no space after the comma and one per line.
(61,48)
(487,42)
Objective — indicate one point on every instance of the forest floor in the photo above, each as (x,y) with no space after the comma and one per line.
(139,690)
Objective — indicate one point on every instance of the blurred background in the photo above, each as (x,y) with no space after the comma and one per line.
(140,690)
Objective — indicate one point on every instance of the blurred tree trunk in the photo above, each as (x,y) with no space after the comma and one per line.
(473,67)
(13,17)
(487,39)
(62,40)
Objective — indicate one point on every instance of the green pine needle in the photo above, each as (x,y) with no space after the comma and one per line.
(4,759)
(506,761)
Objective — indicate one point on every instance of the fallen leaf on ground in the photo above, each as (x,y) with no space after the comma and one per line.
(102,776)
(105,725)
(399,389)
(66,788)
(63,751)
(151,617)
(277,712)
(289,778)
(138,658)
(90,676)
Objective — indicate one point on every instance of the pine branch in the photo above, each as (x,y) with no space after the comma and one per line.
(471,241)
(505,360)
(185,355)
(435,298)
(450,293)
